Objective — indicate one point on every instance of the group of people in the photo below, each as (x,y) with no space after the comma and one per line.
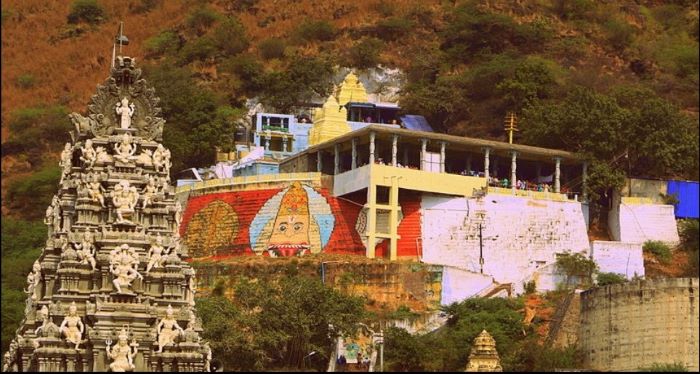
(520,184)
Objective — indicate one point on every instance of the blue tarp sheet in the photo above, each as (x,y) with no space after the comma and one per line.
(687,192)
(416,123)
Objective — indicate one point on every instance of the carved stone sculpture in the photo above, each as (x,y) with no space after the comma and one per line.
(145,158)
(33,278)
(149,192)
(82,124)
(124,198)
(66,161)
(72,327)
(192,287)
(156,255)
(125,150)
(102,157)
(94,189)
(88,154)
(168,329)
(178,214)
(86,250)
(123,264)
(161,159)
(125,111)
(122,354)
(47,328)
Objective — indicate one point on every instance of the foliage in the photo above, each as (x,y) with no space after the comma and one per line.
(249,70)
(230,37)
(35,131)
(241,5)
(619,33)
(201,19)
(199,49)
(315,30)
(303,79)
(669,199)
(145,6)
(535,357)
(531,80)
(576,265)
(271,48)
(689,230)
(21,241)
(26,81)
(89,11)
(403,351)
(393,28)
(573,9)
(665,367)
(403,312)
(33,193)
(365,53)
(605,279)
(167,42)
(290,318)
(659,249)
(530,287)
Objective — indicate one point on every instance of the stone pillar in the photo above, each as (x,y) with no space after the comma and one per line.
(353,164)
(336,159)
(584,182)
(513,167)
(371,147)
(557,173)
(319,163)
(371,218)
(423,145)
(394,148)
(469,163)
(442,157)
(267,142)
(284,144)
(487,150)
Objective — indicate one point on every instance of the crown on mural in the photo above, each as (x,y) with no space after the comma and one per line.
(295,201)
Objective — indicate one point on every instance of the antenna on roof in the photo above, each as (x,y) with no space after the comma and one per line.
(120,39)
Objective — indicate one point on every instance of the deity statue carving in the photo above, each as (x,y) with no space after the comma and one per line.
(206,351)
(33,278)
(192,286)
(94,188)
(124,150)
(72,327)
(149,192)
(168,329)
(68,253)
(124,198)
(156,255)
(145,158)
(10,358)
(122,353)
(178,214)
(86,250)
(123,263)
(161,159)
(82,124)
(66,162)
(125,111)
(101,155)
(88,154)
(47,328)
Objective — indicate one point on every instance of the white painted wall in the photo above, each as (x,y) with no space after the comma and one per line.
(641,222)
(459,284)
(520,236)
(618,257)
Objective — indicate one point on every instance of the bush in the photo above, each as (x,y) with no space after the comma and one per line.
(167,42)
(393,28)
(658,249)
(249,70)
(201,19)
(658,367)
(576,265)
(26,81)
(669,199)
(619,33)
(36,131)
(690,234)
(230,37)
(145,6)
(605,279)
(89,11)
(530,287)
(309,30)
(33,194)
(365,54)
(271,48)
(199,49)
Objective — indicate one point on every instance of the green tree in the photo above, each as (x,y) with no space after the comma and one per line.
(604,279)
(167,42)
(315,30)
(403,351)
(37,131)
(230,37)
(576,265)
(271,48)
(201,19)
(365,54)
(89,11)
(303,79)
(32,194)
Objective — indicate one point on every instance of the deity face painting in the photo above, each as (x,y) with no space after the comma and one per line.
(296,221)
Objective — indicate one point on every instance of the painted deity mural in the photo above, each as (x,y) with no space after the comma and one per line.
(296,220)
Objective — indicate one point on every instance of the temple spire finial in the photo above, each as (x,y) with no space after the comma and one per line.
(120,39)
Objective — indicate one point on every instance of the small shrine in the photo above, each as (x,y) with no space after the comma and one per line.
(111,289)
(484,357)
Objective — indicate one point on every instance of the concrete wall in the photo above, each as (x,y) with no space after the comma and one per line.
(648,188)
(641,222)
(520,235)
(628,326)
(618,257)
(459,284)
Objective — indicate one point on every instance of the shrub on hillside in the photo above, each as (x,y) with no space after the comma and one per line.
(230,37)
(576,265)
(249,70)
(167,42)
(271,48)
(26,81)
(32,194)
(605,279)
(365,54)
(658,249)
(619,33)
(665,367)
(197,50)
(310,30)
(35,131)
(89,11)
(201,19)
(689,230)
(145,6)
(393,28)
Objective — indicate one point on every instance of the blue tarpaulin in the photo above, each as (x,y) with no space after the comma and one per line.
(687,193)
(416,123)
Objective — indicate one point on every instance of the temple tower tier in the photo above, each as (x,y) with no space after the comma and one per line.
(111,289)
